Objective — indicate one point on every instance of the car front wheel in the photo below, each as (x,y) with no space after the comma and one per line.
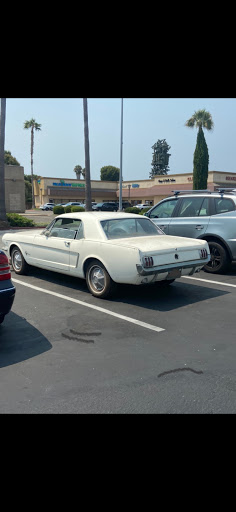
(19,264)
(219,261)
(99,283)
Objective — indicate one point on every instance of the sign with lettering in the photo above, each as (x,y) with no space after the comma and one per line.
(63,184)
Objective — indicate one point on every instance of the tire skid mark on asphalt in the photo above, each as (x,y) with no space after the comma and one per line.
(180,370)
(97,308)
(84,340)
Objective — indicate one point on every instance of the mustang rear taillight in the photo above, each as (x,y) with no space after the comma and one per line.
(148,261)
(4,268)
(203,253)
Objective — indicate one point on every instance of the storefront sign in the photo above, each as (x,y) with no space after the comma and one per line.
(166,181)
(231,178)
(63,184)
(135,185)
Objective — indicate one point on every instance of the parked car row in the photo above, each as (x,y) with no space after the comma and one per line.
(113,248)
(178,236)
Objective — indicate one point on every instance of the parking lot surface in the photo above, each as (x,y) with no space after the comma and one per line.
(147,351)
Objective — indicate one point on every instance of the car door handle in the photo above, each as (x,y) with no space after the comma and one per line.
(199,226)
(67,244)
(162,227)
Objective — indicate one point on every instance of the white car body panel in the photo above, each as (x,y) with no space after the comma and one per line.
(122,257)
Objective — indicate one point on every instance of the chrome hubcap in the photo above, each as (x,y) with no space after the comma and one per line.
(17,261)
(97,278)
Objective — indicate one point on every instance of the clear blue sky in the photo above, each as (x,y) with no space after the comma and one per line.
(59,146)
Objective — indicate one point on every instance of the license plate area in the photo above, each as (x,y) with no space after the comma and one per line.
(174,274)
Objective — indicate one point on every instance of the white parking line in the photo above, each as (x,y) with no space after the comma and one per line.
(102,310)
(208,281)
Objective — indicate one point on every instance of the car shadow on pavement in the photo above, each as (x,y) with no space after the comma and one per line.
(178,294)
(19,340)
(175,296)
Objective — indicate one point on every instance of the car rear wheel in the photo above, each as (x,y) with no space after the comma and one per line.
(219,261)
(19,264)
(99,283)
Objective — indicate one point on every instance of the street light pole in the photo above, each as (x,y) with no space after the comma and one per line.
(121,147)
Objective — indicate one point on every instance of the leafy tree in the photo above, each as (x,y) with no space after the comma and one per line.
(28,192)
(200,119)
(9,159)
(28,187)
(3,217)
(160,159)
(32,125)
(110,173)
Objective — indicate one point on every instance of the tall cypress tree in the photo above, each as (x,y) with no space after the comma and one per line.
(200,162)
(200,119)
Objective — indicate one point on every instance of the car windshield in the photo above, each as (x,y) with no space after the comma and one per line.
(130,227)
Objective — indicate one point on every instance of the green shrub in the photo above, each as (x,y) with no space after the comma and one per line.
(132,209)
(77,209)
(144,210)
(58,210)
(15,219)
(67,209)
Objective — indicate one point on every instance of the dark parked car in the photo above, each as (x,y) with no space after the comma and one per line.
(7,290)
(106,207)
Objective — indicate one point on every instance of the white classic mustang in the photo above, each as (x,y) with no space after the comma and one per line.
(105,249)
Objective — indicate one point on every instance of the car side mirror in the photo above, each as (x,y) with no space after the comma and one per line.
(46,232)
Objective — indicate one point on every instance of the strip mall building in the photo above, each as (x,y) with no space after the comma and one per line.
(148,191)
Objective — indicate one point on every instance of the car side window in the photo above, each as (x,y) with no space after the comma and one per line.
(67,228)
(204,210)
(164,209)
(190,206)
(224,205)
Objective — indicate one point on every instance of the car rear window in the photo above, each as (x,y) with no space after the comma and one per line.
(129,227)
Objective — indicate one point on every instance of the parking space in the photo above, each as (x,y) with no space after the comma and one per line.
(148,350)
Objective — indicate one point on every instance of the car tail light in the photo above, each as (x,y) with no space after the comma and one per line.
(4,268)
(148,261)
(203,253)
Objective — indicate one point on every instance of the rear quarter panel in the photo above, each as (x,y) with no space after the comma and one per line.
(120,261)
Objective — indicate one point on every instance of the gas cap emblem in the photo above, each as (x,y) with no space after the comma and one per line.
(176,256)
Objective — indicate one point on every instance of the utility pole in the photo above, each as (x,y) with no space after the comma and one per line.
(3,217)
(88,206)
(121,147)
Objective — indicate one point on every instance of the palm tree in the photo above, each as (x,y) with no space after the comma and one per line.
(78,171)
(200,119)
(3,217)
(87,158)
(33,126)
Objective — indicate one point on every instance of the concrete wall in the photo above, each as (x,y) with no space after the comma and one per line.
(14,189)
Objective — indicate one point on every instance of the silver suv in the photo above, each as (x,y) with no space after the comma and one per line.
(202,214)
